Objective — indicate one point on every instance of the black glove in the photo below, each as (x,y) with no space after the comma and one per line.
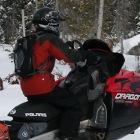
(70,43)
(91,56)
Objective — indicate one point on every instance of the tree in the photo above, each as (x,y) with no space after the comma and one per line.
(79,15)
(100,19)
(120,18)
(11,19)
(137,18)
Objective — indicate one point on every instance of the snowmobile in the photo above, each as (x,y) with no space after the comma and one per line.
(110,102)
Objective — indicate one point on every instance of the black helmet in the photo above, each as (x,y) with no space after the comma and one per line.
(47,19)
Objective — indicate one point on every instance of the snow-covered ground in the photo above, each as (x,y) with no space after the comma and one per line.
(12,94)
(128,44)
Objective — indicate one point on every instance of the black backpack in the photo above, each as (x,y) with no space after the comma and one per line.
(23,56)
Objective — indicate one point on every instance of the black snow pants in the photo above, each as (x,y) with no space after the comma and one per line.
(72,115)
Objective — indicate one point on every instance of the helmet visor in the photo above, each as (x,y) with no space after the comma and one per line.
(54,15)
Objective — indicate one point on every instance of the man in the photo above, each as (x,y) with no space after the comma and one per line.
(41,86)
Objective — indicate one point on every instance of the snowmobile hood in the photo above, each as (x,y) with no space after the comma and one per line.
(124,82)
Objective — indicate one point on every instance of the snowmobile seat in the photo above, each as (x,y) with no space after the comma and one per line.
(35,112)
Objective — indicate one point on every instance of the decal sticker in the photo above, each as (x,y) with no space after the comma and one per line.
(127,98)
(124,96)
(13,111)
(25,134)
(35,114)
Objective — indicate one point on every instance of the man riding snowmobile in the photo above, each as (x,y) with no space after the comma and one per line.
(100,62)
(41,86)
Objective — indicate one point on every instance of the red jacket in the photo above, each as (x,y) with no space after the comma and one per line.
(47,45)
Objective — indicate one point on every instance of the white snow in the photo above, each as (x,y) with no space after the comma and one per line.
(12,94)
(128,44)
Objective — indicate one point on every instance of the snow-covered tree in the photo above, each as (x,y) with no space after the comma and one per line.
(138,22)
(81,18)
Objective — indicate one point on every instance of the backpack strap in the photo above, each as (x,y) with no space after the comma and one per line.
(40,68)
(39,34)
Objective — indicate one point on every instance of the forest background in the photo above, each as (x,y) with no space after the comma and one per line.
(121,19)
